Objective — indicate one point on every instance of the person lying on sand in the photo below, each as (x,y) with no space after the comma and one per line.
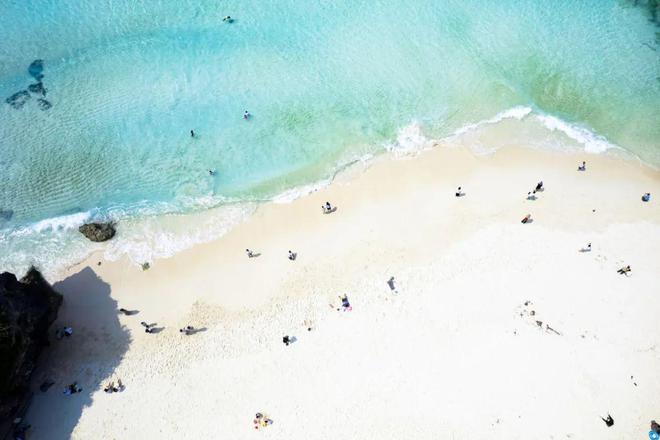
(261,421)
(148,328)
(187,330)
(526,219)
(531,195)
(64,331)
(646,197)
(624,270)
(72,389)
(110,388)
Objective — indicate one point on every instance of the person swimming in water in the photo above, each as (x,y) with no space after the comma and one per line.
(228,19)
(246,115)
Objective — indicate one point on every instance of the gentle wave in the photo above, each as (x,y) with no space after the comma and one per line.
(593,143)
(518,112)
(409,139)
(148,231)
(147,239)
(60,223)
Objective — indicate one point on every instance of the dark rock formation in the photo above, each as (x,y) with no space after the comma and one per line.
(27,309)
(44,104)
(18,99)
(36,68)
(98,231)
(6,214)
(37,88)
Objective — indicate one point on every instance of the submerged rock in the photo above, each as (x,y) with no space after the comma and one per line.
(18,99)
(36,68)
(98,231)
(44,104)
(6,214)
(27,309)
(37,88)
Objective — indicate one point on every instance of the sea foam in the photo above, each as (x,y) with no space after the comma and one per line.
(593,143)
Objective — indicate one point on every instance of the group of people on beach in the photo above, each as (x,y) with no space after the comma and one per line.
(261,420)
(112,388)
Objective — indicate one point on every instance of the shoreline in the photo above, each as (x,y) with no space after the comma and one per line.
(156,236)
(456,337)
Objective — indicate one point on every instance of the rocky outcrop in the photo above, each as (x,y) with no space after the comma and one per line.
(98,231)
(27,309)
(37,88)
(35,69)
(6,214)
(20,98)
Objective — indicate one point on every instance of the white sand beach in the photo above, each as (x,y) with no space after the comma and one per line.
(495,329)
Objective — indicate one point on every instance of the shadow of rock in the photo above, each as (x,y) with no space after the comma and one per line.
(88,357)
(27,309)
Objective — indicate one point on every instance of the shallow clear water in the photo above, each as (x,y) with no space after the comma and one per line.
(326,83)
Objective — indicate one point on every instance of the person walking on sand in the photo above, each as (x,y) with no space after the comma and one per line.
(587,249)
(458,193)
(582,167)
(292,256)
(539,186)
(646,197)
(327,208)
(249,253)
(345,304)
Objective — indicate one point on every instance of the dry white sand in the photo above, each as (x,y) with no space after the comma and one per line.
(455,353)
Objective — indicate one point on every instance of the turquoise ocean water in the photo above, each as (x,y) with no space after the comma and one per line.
(327,83)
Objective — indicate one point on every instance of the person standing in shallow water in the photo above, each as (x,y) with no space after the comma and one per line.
(192,133)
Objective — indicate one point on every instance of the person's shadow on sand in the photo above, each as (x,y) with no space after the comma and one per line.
(88,357)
